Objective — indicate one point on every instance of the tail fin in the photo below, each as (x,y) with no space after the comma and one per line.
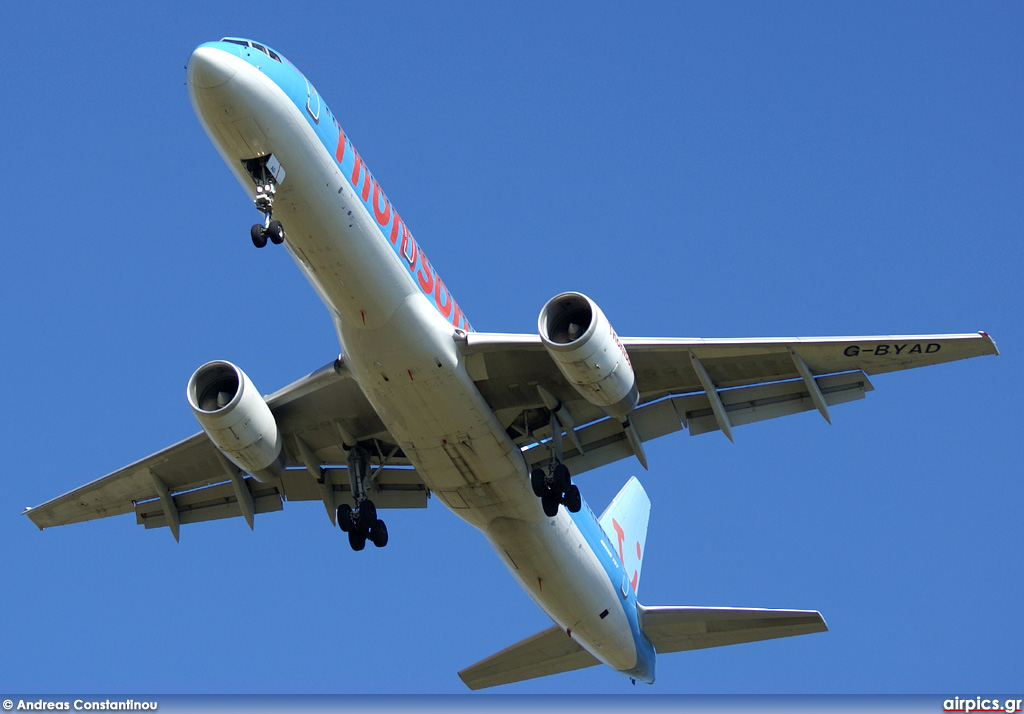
(625,522)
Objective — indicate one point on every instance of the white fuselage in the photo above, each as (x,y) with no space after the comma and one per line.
(400,348)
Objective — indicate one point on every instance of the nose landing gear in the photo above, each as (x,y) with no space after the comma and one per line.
(270,229)
(266,173)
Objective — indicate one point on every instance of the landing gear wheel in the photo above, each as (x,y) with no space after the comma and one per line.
(259,236)
(356,539)
(367,515)
(550,504)
(379,534)
(537,482)
(573,501)
(561,476)
(275,231)
(344,517)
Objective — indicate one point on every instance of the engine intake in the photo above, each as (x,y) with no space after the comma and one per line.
(581,341)
(237,419)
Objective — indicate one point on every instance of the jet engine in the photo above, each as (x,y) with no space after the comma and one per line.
(586,349)
(237,419)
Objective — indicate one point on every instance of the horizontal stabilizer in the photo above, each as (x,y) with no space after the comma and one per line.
(676,629)
(549,652)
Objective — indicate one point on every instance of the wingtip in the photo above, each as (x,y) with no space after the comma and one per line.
(28,512)
(991,342)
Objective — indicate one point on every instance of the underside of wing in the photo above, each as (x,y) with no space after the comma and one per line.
(701,385)
(319,417)
(664,366)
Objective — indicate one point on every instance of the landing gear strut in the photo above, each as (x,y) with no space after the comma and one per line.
(555,485)
(270,229)
(266,173)
(361,523)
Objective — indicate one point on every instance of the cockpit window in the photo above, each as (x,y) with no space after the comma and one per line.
(255,45)
(266,50)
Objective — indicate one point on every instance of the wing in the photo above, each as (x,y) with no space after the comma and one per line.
(698,384)
(191,482)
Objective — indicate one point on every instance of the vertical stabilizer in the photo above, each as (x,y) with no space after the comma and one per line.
(625,523)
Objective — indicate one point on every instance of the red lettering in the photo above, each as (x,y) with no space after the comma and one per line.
(359,169)
(425,275)
(445,306)
(339,153)
(398,225)
(383,216)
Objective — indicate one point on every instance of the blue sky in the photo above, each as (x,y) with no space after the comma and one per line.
(711,170)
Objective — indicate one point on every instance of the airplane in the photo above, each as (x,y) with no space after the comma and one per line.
(420,406)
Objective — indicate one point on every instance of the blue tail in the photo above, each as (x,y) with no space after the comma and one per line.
(625,523)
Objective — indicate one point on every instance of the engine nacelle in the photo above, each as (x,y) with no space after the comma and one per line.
(237,419)
(586,349)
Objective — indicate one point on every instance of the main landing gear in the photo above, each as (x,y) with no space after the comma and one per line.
(361,523)
(554,487)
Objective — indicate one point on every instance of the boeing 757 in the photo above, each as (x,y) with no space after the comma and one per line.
(494,426)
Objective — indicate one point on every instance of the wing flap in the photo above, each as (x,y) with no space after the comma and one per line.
(209,504)
(391,488)
(551,651)
(605,441)
(746,405)
(394,488)
(678,629)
